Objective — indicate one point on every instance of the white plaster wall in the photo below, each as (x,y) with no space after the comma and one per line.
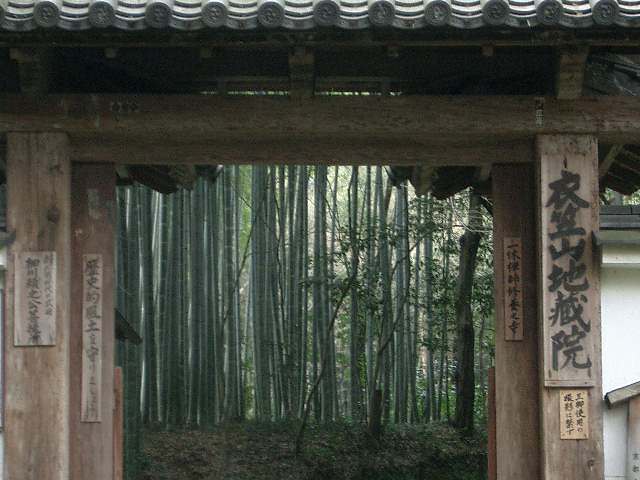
(620,348)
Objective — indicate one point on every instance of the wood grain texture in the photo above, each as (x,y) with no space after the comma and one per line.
(35,302)
(92,342)
(633,440)
(366,151)
(568,459)
(242,120)
(492,472)
(623,394)
(517,424)
(570,72)
(568,209)
(513,298)
(37,378)
(118,425)
(93,227)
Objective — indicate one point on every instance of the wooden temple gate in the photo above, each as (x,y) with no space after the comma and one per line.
(536,154)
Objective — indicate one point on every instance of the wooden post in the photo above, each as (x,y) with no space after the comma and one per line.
(569,294)
(492,472)
(37,377)
(633,440)
(516,369)
(92,321)
(118,426)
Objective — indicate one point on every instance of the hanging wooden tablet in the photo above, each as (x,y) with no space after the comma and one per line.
(35,297)
(92,269)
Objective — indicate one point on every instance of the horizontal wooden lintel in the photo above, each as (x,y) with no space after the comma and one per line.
(348,130)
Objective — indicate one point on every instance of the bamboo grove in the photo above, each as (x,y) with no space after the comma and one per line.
(295,292)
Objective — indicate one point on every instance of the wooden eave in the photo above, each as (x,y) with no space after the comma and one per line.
(622,395)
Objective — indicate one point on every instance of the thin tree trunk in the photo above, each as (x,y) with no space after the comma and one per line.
(465,341)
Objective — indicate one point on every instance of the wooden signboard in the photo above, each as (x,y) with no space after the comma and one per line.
(92,269)
(633,440)
(513,295)
(574,414)
(569,296)
(35,294)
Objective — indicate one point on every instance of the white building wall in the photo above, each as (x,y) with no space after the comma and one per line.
(620,346)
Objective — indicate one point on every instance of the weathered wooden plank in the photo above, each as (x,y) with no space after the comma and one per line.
(513,298)
(623,394)
(492,472)
(516,363)
(315,151)
(570,72)
(217,120)
(633,440)
(118,426)
(37,402)
(92,327)
(92,321)
(573,155)
(568,205)
(35,298)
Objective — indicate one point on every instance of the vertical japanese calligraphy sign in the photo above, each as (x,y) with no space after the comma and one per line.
(35,297)
(513,294)
(92,273)
(574,414)
(569,277)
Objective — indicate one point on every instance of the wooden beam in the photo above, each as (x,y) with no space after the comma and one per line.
(92,338)
(371,151)
(37,397)
(34,66)
(609,158)
(517,426)
(279,121)
(301,73)
(570,72)
(570,335)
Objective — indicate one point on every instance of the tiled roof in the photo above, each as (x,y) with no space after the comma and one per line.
(18,15)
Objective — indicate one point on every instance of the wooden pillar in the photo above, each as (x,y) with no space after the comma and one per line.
(37,372)
(492,455)
(633,440)
(516,337)
(92,321)
(569,292)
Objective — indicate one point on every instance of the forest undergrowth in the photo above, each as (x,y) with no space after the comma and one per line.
(336,451)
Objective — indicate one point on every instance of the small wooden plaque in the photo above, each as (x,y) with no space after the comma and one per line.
(513,295)
(574,414)
(92,270)
(35,297)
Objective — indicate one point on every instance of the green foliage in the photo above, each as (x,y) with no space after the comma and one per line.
(249,337)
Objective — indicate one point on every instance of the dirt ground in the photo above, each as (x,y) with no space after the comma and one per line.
(335,452)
